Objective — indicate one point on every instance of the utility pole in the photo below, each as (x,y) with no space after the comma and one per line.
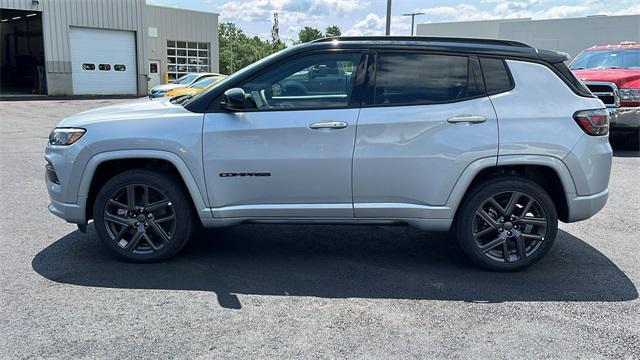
(413,17)
(388,28)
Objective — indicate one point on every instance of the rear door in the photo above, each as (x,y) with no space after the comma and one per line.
(426,119)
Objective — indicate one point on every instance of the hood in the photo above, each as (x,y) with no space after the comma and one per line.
(166,87)
(624,78)
(137,109)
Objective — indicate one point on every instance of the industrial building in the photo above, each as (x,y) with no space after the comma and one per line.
(568,35)
(100,47)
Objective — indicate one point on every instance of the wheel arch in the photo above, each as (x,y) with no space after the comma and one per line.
(548,172)
(104,166)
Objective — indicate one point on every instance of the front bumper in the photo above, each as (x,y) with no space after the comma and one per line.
(625,119)
(72,213)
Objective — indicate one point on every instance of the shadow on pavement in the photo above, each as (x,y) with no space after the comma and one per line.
(338,262)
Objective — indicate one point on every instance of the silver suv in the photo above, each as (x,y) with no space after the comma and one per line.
(493,139)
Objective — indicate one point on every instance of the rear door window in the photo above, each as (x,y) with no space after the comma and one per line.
(420,78)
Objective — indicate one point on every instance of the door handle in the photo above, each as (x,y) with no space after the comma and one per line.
(328,125)
(473,119)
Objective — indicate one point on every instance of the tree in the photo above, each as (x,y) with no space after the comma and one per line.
(237,50)
(333,31)
(309,34)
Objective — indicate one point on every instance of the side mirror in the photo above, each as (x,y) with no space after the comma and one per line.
(234,99)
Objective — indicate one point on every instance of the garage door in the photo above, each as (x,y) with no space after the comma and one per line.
(103,61)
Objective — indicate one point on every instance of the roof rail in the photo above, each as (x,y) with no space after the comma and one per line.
(426,39)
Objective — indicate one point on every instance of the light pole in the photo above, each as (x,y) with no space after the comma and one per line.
(413,17)
(388,28)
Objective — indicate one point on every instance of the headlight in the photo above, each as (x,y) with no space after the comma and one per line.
(630,94)
(65,136)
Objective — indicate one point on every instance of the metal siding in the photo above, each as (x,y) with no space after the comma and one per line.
(133,15)
(181,25)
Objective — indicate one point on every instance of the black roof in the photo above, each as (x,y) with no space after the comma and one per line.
(507,48)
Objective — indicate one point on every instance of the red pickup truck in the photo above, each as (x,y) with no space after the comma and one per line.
(612,72)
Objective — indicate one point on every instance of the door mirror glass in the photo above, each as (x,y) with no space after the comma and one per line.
(234,99)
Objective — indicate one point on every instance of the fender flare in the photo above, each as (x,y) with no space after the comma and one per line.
(92,165)
(472,170)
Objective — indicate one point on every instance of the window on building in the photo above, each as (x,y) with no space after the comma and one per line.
(185,57)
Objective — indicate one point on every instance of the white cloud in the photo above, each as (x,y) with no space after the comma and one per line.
(503,9)
(373,24)
(293,14)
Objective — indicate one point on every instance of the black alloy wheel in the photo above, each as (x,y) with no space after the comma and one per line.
(508,224)
(143,215)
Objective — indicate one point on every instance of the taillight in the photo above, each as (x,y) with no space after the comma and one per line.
(593,122)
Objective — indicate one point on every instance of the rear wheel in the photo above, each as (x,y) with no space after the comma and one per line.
(143,216)
(508,224)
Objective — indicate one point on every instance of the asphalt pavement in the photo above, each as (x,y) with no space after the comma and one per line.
(280,291)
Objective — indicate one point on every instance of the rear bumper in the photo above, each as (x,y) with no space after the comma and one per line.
(584,207)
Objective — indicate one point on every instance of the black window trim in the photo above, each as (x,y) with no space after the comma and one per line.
(355,101)
(208,103)
(370,91)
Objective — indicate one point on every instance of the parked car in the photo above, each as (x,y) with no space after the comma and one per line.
(196,88)
(612,72)
(182,82)
(494,139)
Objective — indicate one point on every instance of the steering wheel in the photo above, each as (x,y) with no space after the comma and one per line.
(294,88)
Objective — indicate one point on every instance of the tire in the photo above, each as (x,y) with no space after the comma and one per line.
(153,228)
(494,240)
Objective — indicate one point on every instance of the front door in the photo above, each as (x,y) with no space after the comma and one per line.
(290,153)
(426,119)
(154,73)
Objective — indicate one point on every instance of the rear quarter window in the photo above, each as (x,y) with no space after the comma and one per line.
(496,75)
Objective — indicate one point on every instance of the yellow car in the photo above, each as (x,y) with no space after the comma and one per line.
(196,88)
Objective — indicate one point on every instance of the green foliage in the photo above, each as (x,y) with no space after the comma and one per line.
(238,50)
(333,31)
(309,34)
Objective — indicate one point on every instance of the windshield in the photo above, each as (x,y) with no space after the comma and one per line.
(185,80)
(607,59)
(206,82)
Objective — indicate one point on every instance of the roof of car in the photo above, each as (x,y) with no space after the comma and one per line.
(466,45)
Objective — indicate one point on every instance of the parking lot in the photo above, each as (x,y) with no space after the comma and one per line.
(263,291)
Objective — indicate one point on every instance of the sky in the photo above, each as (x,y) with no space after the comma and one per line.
(255,17)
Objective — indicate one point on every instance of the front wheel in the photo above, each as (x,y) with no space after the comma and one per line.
(143,216)
(507,224)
